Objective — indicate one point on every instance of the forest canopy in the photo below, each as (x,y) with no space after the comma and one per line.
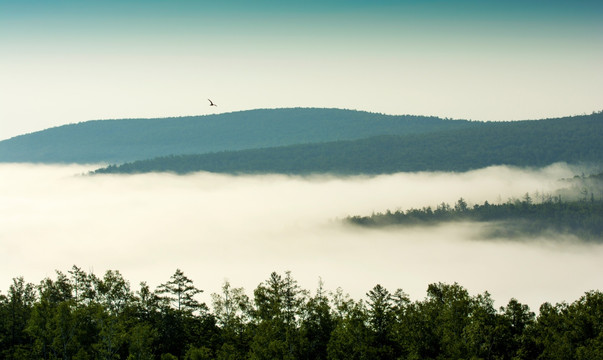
(79,315)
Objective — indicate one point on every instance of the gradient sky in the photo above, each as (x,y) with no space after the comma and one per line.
(67,61)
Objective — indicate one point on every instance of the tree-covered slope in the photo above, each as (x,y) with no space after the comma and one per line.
(521,143)
(583,219)
(116,141)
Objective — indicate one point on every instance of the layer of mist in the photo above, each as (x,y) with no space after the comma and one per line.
(241,228)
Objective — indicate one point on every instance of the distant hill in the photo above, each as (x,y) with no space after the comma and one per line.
(118,141)
(511,219)
(576,209)
(522,143)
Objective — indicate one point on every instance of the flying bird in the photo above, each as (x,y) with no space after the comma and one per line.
(211,103)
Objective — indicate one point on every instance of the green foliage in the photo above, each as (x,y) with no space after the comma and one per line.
(351,336)
(283,321)
(380,319)
(278,307)
(140,338)
(15,311)
(232,312)
(316,325)
(202,353)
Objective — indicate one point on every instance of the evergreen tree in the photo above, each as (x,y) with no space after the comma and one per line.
(351,337)
(140,340)
(180,293)
(381,318)
(278,306)
(316,325)
(16,309)
(179,323)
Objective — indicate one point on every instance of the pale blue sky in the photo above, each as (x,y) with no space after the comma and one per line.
(70,61)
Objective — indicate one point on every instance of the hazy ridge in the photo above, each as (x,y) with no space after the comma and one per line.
(116,141)
(473,145)
(310,140)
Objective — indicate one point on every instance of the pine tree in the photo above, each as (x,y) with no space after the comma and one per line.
(180,293)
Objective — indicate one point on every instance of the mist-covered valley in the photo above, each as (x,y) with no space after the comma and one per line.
(241,228)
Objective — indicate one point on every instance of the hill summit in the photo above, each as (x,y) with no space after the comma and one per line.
(311,140)
(118,141)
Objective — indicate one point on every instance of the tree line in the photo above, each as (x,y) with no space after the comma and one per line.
(582,218)
(78,315)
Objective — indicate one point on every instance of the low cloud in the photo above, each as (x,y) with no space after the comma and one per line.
(241,228)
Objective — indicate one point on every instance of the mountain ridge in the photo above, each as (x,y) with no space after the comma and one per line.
(122,140)
(311,140)
(575,140)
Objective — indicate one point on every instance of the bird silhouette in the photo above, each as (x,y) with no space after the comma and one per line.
(211,103)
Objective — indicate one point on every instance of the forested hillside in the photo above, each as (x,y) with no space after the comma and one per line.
(79,315)
(584,219)
(521,143)
(576,210)
(116,141)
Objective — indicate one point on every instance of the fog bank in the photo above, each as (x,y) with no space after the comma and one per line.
(241,228)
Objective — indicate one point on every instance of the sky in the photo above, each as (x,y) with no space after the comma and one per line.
(67,61)
(241,228)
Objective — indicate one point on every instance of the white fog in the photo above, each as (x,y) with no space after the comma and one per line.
(241,228)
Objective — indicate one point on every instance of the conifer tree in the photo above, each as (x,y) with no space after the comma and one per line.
(180,293)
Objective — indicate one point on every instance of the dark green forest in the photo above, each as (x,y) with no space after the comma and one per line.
(575,140)
(117,141)
(576,209)
(78,315)
(583,219)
